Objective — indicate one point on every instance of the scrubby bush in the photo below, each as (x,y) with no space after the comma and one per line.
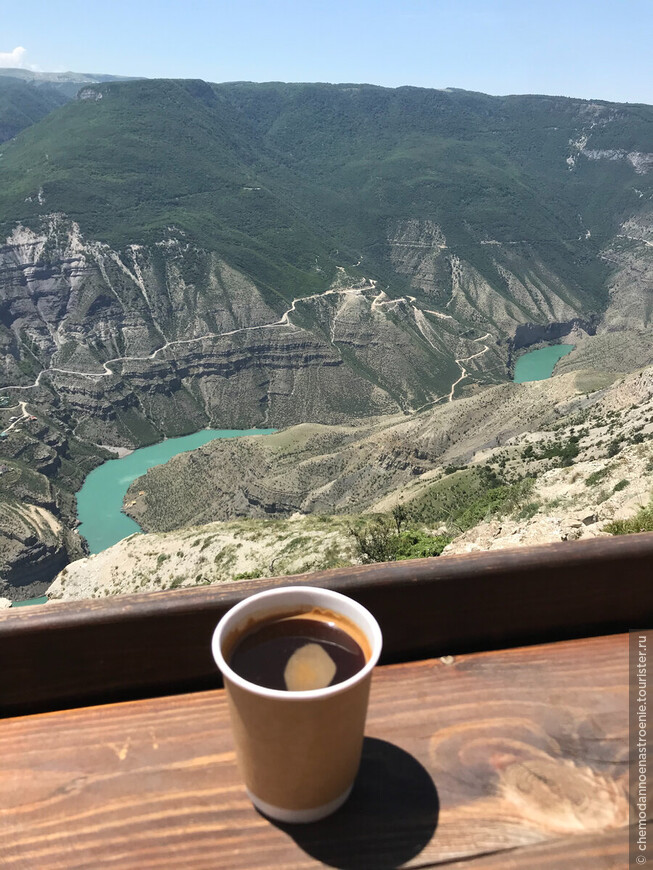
(496,501)
(378,541)
(564,452)
(399,515)
(641,522)
(596,476)
(414,544)
(248,575)
(528,510)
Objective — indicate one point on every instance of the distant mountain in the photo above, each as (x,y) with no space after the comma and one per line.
(26,96)
(291,172)
(68,83)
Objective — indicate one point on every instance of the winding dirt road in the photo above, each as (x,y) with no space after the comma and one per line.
(284,321)
(463,370)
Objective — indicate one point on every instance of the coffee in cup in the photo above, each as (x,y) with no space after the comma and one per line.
(297,664)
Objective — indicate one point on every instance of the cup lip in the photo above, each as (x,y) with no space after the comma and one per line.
(372,630)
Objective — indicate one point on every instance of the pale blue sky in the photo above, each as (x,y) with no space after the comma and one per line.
(583,48)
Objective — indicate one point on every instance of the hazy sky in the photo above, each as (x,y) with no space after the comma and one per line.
(583,48)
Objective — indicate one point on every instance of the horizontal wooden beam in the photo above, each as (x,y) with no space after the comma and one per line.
(67,654)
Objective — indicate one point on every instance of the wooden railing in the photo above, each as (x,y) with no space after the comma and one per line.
(77,653)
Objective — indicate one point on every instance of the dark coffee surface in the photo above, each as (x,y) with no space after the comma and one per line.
(262,656)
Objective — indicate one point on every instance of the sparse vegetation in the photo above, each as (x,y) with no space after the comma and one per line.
(641,522)
(496,501)
(399,515)
(467,498)
(528,510)
(602,496)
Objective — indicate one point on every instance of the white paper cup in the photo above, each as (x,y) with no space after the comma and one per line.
(298,752)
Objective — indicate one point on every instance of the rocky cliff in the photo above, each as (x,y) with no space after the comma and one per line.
(32,550)
(527,334)
(133,347)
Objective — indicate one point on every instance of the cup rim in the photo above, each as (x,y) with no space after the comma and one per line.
(370,627)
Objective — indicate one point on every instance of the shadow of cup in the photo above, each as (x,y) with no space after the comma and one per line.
(390,817)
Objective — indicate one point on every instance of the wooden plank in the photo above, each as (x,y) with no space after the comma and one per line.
(81,652)
(490,758)
(608,851)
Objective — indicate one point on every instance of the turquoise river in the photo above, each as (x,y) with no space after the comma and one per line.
(539,364)
(99,501)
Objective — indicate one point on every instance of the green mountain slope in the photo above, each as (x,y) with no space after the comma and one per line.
(482,168)
(275,175)
(22,104)
(149,155)
(27,96)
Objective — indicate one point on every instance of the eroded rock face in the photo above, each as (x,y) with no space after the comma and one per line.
(79,304)
(642,162)
(32,550)
(164,339)
(630,255)
(530,333)
(169,338)
(525,290)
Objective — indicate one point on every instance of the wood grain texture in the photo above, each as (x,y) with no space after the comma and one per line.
(607,851)
(82,652)
(494,757)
